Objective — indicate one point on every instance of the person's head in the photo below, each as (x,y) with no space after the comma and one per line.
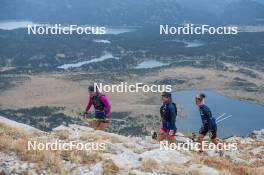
(93,91)
(199,99)
(166,97)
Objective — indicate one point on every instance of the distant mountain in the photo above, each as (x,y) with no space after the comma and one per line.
(244,12)
(134,12)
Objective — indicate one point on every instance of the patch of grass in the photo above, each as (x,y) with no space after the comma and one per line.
(109,167)
(170,81)
(62,135)
(14,140)
(228,166)
(83,157)
(239,83)
(194,172)
(10,82)
(149,165)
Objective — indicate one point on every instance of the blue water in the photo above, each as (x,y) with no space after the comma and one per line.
(246,116)
(150,64)
(81,63)
(193,43)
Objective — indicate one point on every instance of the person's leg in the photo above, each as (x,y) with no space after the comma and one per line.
(161,135)
(100,116)
(102,126)
(94,124)
(171,139)
(202,133)
(213,136)
(215,141)
(200,141)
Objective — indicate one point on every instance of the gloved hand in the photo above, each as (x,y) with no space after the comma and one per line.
(106,120)
(84,115)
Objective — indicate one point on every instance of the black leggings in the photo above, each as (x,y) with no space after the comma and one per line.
(204,130)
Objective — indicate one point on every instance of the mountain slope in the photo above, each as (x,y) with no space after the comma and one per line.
(133,12)
(122,155)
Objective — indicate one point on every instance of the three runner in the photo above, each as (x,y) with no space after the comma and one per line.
(168,113)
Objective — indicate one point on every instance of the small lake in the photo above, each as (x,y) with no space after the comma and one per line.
(104,41)
(246,116)
(193,43)
(150,64)
(81,63)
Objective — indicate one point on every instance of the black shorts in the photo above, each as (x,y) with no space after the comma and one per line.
(204,130)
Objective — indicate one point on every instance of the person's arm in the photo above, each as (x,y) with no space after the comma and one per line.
(173,117)
(89,105)
(105,101)
(208,114)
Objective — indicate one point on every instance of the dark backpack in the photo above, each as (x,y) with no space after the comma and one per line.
(174,104)
(98,104)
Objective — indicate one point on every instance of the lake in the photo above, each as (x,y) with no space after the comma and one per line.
(193,43)
(246,116)
(150,64)
(81,63)
(104,41)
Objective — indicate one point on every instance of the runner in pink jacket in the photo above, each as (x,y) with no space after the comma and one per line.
(102,108)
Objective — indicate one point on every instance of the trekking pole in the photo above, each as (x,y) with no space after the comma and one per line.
(223,119)
(91,119)
(218,118)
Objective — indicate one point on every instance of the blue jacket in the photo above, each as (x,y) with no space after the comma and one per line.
(168,113)
(206,116)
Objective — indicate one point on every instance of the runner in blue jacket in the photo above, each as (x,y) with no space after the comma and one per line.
(209,123)
(168,113)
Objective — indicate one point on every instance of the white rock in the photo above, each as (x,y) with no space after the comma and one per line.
(166,156)
(126,160)
(258,150)
(202,169)
(96,169)
(233,139)
(137,172)
(25,128)
(24,166)
(246,140)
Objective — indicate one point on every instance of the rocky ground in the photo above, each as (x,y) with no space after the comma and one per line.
(122,155)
